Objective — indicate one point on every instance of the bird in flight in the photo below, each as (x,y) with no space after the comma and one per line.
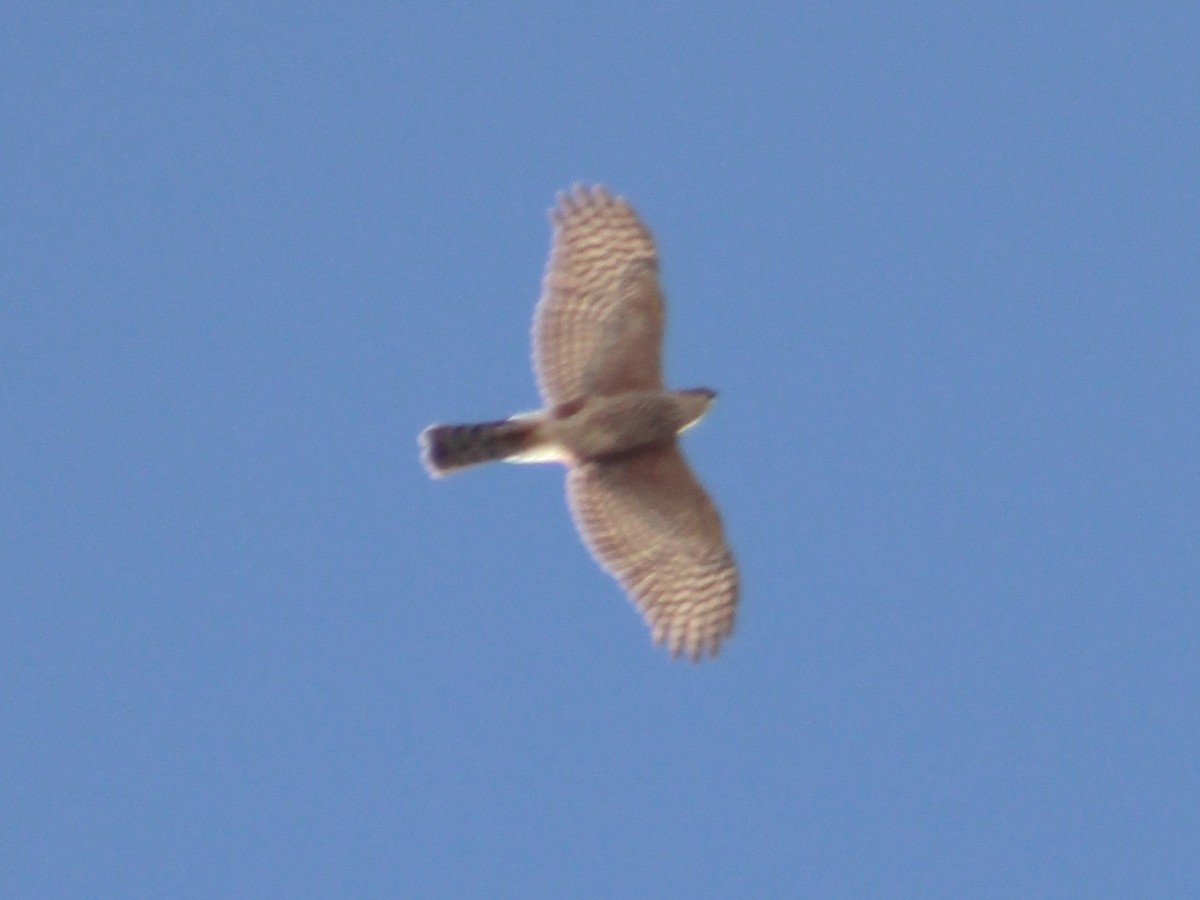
(607,416)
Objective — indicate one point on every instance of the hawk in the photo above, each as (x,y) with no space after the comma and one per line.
(597,355)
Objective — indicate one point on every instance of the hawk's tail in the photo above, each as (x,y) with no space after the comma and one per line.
(447,448)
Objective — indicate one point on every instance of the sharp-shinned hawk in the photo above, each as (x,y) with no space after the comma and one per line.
(597,353)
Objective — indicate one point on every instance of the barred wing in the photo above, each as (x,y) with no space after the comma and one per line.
(650,524)
(599,323)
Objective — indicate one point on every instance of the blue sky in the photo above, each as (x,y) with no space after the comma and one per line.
(942,265)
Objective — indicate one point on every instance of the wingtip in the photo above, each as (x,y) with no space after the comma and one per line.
(579,196)
(693,647)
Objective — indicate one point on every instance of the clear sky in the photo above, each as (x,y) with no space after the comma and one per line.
(942,264)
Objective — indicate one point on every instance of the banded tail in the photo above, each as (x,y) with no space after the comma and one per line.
(447,448)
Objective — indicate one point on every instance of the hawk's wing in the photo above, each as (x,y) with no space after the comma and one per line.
(598,325)
(650,524)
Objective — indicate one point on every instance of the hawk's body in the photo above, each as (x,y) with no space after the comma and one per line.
(597,353)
